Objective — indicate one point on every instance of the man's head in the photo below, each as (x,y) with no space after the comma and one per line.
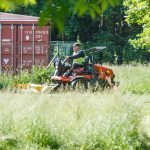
(76,47)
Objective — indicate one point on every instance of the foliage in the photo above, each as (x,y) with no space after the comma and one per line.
(24,77)
(11,4)
(56,12)
(33,10)
(41,75)
(108,30)
(5,81)
(138,13)
(111,53)
(80,26)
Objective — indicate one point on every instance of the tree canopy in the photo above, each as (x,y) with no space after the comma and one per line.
(138,12)
(11,4)
(57,11)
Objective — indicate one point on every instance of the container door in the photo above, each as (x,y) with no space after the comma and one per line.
(41,45)
(25,47)
(8,49)
(33,45)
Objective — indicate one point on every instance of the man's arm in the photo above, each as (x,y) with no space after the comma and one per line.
(78,55)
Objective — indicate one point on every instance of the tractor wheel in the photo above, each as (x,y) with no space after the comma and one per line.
(79,85)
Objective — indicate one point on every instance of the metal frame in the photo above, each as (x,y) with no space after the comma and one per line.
(57,54)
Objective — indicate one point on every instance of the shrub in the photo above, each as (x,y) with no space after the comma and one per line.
(41,75)
(5,81)
(24,77)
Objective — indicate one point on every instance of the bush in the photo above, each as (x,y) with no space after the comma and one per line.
(24,77)
(5,81)
(41,75)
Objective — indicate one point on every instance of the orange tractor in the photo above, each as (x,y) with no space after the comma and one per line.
(91,74)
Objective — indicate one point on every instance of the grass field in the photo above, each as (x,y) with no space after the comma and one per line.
(111,119)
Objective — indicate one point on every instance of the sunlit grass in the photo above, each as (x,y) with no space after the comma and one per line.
(135,79)
(111,119)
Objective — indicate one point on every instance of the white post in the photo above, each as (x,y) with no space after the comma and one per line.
(12,47)
(33,45)
(21,27)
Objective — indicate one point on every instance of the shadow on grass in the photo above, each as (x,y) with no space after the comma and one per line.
(145,142)
(38,133)
(8,143)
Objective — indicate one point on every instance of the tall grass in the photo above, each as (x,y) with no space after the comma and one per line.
(114,119)
(135,79)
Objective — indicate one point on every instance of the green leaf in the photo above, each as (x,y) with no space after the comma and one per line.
(11,4)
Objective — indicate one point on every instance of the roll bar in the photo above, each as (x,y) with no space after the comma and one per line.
(95,49)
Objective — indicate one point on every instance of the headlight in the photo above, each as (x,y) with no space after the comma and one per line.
(107,72)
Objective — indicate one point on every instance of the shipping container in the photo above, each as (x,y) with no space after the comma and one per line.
(22,43)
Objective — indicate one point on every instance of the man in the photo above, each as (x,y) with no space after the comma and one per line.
(78,58)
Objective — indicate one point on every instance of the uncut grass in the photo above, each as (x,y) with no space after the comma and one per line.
(111,119)
(135,79)
(70,121)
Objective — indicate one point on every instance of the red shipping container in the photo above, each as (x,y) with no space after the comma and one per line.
(22,42)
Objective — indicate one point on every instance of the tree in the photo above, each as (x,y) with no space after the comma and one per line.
(84,27)
(33,10)
(138,13)
(57,11)
(11,4)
